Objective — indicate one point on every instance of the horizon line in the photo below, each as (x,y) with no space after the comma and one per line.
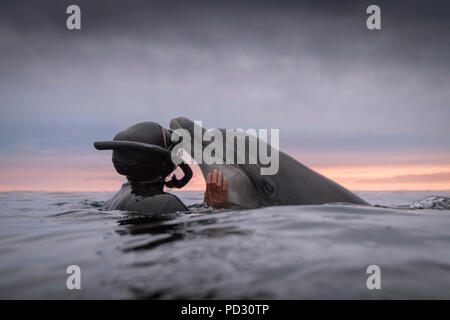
(100,191)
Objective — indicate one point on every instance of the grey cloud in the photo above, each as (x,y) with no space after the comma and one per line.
(310,68)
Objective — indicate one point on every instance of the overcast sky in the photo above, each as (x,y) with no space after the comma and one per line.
(310,68)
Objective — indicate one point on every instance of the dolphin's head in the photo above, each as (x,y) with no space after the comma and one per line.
(247,188)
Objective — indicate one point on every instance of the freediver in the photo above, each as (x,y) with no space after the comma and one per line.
(142,153)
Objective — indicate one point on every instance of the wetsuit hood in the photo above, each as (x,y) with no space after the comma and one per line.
(143,154)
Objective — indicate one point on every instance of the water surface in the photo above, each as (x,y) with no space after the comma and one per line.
(289,252)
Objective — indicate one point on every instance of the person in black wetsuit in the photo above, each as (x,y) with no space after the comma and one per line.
(143,154)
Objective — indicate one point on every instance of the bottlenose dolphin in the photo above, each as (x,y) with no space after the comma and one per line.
(294,184)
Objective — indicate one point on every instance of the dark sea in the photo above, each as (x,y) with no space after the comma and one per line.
(286,252)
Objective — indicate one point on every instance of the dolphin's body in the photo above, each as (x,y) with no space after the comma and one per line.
(294,184)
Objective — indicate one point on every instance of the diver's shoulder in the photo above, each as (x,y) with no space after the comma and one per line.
(170,202)
(158,203)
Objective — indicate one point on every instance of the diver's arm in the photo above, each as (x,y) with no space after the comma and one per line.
(216,193)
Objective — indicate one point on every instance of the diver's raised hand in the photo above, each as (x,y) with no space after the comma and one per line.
(216,193)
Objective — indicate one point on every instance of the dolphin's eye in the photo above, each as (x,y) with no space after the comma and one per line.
(267,187)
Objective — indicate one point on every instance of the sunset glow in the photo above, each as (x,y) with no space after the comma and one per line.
(96,173)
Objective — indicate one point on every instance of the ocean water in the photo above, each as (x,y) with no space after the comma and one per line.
(286,252)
